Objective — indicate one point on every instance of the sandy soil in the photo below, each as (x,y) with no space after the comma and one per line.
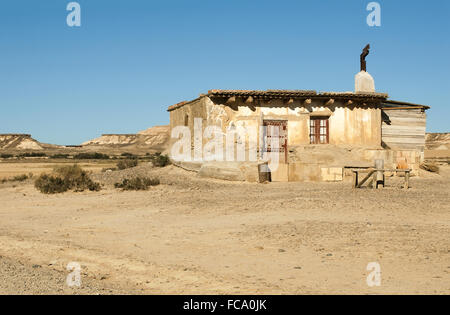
(10,169)
(198,236)
(438,154)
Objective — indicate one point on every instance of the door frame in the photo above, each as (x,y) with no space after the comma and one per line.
(283,135)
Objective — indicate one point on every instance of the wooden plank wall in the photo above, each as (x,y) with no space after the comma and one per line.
(404,129)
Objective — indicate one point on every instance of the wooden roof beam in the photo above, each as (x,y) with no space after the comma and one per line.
(308,101)
(231,100)
(290,101)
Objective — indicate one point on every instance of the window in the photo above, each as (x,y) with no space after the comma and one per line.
(319,130)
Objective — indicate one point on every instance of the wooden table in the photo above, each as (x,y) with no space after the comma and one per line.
(376,174)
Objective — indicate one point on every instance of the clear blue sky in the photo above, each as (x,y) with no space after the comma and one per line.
(130,60)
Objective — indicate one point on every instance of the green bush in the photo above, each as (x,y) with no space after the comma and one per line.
(32,154)
(6,156)
(66,178)
(60,156)
(129,155)
(137,183)
(124,164)
(91,156)
(159,160)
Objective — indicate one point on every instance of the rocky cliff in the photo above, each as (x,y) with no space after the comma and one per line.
(156,138)
(438,141)
(19,142)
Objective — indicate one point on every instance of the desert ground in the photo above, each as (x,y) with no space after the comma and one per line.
(191,235)
(10,169)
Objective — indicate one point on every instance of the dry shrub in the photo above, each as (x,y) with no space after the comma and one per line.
(18,178)
(430,167)
(137,183)
(159,160)
(48,184)
(129,163)
(66,178)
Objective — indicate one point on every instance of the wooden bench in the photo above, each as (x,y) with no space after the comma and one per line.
(377,176)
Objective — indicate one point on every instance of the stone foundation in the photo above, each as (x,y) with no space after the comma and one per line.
(314,164)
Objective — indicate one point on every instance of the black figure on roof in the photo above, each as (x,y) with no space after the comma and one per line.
(364,54)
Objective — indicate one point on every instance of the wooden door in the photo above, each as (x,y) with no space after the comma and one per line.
(281,133)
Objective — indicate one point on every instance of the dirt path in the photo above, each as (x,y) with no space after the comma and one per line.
(196,236)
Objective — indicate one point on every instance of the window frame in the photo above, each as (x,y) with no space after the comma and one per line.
(319,130)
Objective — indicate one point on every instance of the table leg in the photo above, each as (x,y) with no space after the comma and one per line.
(355,179)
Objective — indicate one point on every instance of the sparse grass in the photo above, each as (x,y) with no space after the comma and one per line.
(91,156)
(66,178)
(137,183)
(129,163)
(18,178)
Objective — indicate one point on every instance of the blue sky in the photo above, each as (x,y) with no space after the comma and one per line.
(130,60)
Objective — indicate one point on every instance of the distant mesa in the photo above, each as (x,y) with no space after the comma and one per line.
(154,138)
(438,141)
(11,141)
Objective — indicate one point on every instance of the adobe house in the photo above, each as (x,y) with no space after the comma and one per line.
(322,135)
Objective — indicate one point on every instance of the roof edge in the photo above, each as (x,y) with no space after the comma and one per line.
(273,94)
(406,104)
(183,103)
